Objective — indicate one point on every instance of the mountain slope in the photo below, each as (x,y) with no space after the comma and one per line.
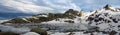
(107,19)
(70,14)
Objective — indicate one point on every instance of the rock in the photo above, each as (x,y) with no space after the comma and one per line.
(112,33)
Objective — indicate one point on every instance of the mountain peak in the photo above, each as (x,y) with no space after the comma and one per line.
(107,7)
(71,11)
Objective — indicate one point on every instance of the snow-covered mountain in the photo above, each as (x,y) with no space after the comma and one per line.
(103,21)
(107,19)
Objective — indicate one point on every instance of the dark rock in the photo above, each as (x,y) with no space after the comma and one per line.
(118,25)
(90,18)
(71,33)
(114,20)
(107,7)
(106,14)
(96,20)
(118,19)
(112,33)
(70,21)
(91,34)
(71,12)
(92,15)
(87,32)
(104,32)
(107,21)
(100,18)
(110,17)
(96,16)
(0,31)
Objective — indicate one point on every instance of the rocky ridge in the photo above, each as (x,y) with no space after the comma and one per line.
(70,14)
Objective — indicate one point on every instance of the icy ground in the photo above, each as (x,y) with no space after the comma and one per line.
(57,27)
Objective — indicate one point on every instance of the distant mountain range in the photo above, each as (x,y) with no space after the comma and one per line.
(12,15)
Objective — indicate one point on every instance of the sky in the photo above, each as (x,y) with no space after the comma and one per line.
(52,6)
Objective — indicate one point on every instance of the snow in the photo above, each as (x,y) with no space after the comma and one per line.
(106,14)
(12,29)
(24,19)
(3,21)
(78,33)
(99,33)
(67,26)
(77,20)
(74,33)
(31,33)
(43,16)
(54,21)
(57,33)
(61,20)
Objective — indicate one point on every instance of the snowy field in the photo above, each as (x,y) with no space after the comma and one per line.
(56,31)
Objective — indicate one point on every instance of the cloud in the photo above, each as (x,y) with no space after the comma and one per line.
(95,4)
(24,6)
(54,6)
(62,5)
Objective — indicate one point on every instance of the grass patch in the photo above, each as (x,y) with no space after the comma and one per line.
(39,30)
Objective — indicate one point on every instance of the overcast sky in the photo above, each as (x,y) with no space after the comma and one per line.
(54,6)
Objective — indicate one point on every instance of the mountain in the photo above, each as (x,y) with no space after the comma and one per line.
(103,21)
(107,19)
(4,16)
(70,14)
